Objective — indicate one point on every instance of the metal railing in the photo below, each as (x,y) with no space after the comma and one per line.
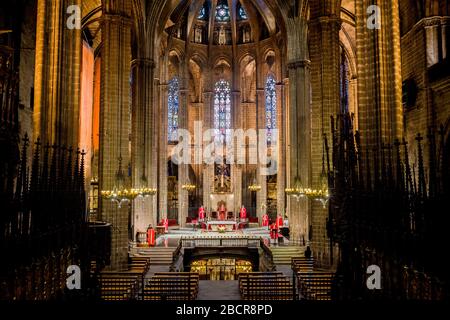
(192,242)
(268,256)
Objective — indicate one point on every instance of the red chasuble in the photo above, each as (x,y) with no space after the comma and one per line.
(151,237)
(265,220)
(243,213)
(201,213)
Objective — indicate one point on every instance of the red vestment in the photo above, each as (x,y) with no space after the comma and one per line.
(273,231)
(151,237)
(222,212)
(265,220)
(279,222)
(166,225)
(243,213)
(201,214)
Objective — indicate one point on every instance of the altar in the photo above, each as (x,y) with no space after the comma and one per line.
(228,225)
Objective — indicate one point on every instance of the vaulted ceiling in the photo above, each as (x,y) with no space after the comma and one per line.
(262,14)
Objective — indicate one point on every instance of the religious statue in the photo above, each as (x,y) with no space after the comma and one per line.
(246,35)
(222,36)
(198,35)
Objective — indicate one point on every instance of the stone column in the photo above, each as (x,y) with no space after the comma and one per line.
(162,149)
(299,144)
(325,81)
(281,145)
(261,196)
(183,169)
(57,74)
(380,108)
(206,179)
(237,169)
(142,142)
(114,124)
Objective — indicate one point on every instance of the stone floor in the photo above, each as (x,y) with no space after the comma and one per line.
(218,290)
(157,268)
(286,269)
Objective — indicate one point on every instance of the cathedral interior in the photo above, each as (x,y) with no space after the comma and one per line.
(283,149)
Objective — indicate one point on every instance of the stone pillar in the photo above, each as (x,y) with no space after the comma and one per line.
(162,149)
(237,169)
(281,145)
(183,169)
(261,196)
(299,144)
(153,159)
(114,123)
(208,170)
(57,74)
(142,142)
(380,108)
(325,82)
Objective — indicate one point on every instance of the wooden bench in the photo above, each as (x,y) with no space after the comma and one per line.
(302,264)
(315,285)
(265,286)
(172,286)
(120,285)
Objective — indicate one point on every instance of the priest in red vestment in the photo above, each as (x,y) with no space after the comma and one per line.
(222,212)
(265,220)
(243,213)
(201,214)
(274,232)
(279,221)
(150,236)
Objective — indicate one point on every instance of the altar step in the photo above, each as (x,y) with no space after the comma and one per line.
(157,255)
(282,254)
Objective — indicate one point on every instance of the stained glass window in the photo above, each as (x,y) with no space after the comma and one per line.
(222,13)
(344,83)
(242,14)
(172,106)
(202,13)
(271,107)
(222,110)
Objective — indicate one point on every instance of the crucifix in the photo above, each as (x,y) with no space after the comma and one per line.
(222,170)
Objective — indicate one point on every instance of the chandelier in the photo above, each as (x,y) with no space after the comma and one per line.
(188,186)
(254,187)
(121,195)
(321,193)
(297,191)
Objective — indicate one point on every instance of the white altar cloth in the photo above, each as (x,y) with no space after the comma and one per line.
(229,224)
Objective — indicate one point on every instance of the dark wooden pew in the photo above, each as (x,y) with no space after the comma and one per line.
(265,286)
(172,286)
